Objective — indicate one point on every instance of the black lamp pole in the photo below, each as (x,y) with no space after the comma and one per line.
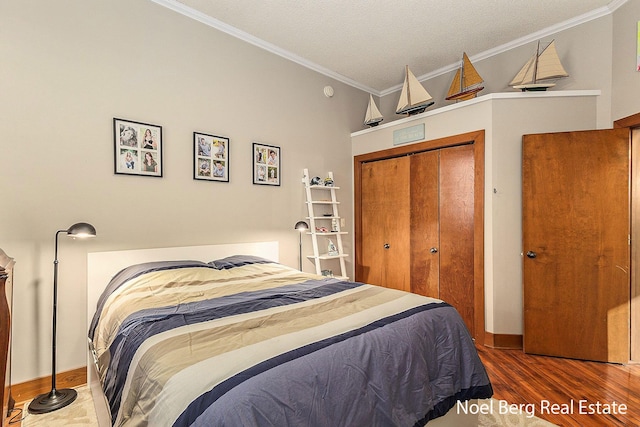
(301,226)
(56,399)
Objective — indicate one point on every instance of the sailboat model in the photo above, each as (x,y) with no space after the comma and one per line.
(538,70)
(414,98)
(373,115)
(466,83)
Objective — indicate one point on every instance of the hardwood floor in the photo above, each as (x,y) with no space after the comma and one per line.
(519,379)
(543,382)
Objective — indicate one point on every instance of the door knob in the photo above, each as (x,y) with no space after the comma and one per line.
(433,250)
(386,246)
(531,254)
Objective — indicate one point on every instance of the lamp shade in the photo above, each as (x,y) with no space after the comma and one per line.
(81,230)
(301,226)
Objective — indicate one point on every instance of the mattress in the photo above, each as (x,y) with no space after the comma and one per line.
(246,341)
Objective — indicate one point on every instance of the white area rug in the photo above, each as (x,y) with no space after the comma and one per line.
(82,413)
(79,413)
(498,416)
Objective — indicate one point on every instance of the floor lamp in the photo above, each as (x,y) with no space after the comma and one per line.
(301,226)
(56,399)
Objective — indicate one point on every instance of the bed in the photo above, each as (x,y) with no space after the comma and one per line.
(224,335)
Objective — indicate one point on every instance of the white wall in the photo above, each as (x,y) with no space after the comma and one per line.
(626,81)
(67,69)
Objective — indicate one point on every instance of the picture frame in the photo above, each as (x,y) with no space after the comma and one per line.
(267,169)
(137,148)
(210,157)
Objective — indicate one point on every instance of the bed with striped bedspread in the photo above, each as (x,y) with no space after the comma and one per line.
(244,341)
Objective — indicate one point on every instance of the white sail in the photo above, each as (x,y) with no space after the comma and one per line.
(541,66)
(413,94)
(549,65)
(403,102)
(373,115)
(526,73)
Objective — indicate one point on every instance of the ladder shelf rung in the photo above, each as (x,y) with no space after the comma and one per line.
(327,256)
(323,187)
(327,233)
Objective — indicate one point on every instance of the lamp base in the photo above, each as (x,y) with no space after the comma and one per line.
(52,401)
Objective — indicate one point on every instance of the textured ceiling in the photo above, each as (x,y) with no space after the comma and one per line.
(366,43)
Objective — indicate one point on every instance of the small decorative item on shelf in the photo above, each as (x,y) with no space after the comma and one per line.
(327,273)
(328,182)
(373,115)
(334,225)
(540,71)
(332,250)
(322,229)
(466,83)
(316,180)
(414,98)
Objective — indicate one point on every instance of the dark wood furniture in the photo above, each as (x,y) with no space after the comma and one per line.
(6,297)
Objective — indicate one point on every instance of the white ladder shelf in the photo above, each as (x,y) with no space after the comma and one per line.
(325,224)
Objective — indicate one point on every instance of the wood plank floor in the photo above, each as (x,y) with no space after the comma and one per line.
(521,378)
(542,381)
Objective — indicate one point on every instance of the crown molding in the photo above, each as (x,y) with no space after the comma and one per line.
(235,32)
(182,9)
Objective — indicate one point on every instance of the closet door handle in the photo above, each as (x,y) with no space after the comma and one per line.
(433,250)
(386,246)
(531,254)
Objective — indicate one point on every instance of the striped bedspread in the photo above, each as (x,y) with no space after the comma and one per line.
(247,342)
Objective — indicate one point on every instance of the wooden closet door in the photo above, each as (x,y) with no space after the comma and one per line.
(442,227)
(457,230)
(385,223)
(425,224)
(576,243)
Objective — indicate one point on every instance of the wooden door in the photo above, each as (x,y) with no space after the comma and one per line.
(442,227)
(425,226)
(576,244)
(385,221)
(457,230)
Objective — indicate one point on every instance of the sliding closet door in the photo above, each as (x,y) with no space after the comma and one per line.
(385,222)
